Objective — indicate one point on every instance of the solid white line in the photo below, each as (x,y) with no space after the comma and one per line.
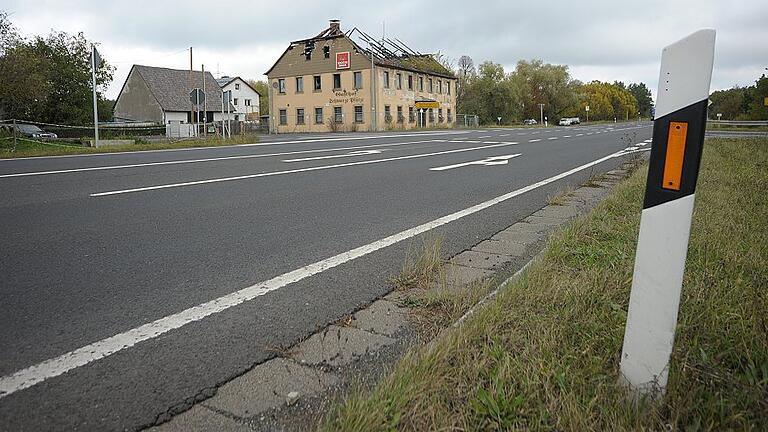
(534,140)
(367,137)
(484,136)
(566,136)
(54,367)
(580,135)
(552,138)
(489,161)
(216,159)
(274,173)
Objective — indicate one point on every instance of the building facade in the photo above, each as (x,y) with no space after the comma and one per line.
(330,83)
(161,95)
(244,98)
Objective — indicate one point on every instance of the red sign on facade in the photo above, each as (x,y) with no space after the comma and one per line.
(342,60)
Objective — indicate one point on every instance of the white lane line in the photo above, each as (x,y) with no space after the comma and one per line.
(491,142)
(299,170)
(484,136)
(472,141)
(522,133)
(581,134)
(534,133)
(300,141)
(64,363)
(534,140)
(589,133)
(552,138)
(216,159)
(357,153)
(489,161)
(566,136)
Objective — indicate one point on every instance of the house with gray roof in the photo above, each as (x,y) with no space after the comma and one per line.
(161,95)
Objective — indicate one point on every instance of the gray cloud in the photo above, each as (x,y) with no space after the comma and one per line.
(598,39)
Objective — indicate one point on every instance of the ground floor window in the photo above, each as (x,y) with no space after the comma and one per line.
(440,115)
(387,114)
(338,117)
(411,116)
(358,114)
(283,117)
(300,116)
(450,116)
(400,117)
(431,115)
(319,115)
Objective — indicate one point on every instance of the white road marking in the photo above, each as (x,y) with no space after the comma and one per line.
(64,363)
(489,161)
(484,136)
(299,170)
(350,154)
(534,133)
(535,140)
(522,133)
(301,141)
(552,138)
(581,134)
(504,134)
(566,136)
(223,158)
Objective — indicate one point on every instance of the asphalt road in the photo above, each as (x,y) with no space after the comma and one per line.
(96,247)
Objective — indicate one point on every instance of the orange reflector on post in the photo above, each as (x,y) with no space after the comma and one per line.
(673,162)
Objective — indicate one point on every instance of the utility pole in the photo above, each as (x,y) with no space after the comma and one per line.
(205,113)
(373,92)
(95,100)
(192,104)
(541,112)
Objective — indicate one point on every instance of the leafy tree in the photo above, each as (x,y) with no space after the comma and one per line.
(643,97)
(757,109)
(263,88)
(608,101)
(48,79)
(729,103)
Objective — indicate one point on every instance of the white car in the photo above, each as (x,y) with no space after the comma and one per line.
(565,122)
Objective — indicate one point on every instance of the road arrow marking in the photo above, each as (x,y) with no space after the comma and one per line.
(489,161)
(350,154)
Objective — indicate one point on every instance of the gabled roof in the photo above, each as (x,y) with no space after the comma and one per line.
(385,53)
(227,80)
(171,87)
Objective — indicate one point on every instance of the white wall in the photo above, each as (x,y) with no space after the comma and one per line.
(245,92)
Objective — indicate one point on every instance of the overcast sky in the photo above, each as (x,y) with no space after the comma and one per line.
(604,40)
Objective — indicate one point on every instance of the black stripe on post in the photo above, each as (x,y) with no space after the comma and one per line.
(696,117)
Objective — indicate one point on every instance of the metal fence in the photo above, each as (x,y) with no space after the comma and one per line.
(738,122)
(467,121)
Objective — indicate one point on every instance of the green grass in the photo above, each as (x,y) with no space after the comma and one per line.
(31,148)
(544,355)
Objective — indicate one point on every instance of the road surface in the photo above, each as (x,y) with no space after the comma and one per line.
(133,282)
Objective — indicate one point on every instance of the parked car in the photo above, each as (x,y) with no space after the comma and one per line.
(575,120)
(529,122)
(30,131)
(565,122)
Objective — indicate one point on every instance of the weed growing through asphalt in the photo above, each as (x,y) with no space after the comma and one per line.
(422,263)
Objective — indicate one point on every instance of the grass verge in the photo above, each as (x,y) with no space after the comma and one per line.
(31,148)
(544,355)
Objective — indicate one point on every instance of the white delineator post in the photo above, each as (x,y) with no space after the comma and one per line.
(665,224)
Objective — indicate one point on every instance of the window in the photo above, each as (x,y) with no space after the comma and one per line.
(387,114)
(421,83)
(237,86)
(399,81)
(318,82)
(358,80)
(299,84)
(307,55)
(281,86)
(450,117)
(400,117)
(234,101)
(327,51)
(410,82)
(338,117)
(386,79)
(283,117)
(337,81)
(430,86)
(299,116)
(440,86)
(247,102)
(358,113)
(448,87)
(431,115)
(411,116)
(440,115)
(319,115)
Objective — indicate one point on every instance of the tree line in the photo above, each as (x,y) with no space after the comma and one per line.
(48,79)
(741,103)
(535,89)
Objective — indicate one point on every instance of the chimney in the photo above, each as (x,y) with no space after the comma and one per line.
(335,25)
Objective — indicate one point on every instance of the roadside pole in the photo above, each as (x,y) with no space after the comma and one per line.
(665,224)
(205,113)
(14,134)
(94,65)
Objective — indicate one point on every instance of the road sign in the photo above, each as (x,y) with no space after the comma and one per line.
(665,223)
(489,161)
(427,104)
(719,116)
(197,96)
(765,101)
(586,108)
